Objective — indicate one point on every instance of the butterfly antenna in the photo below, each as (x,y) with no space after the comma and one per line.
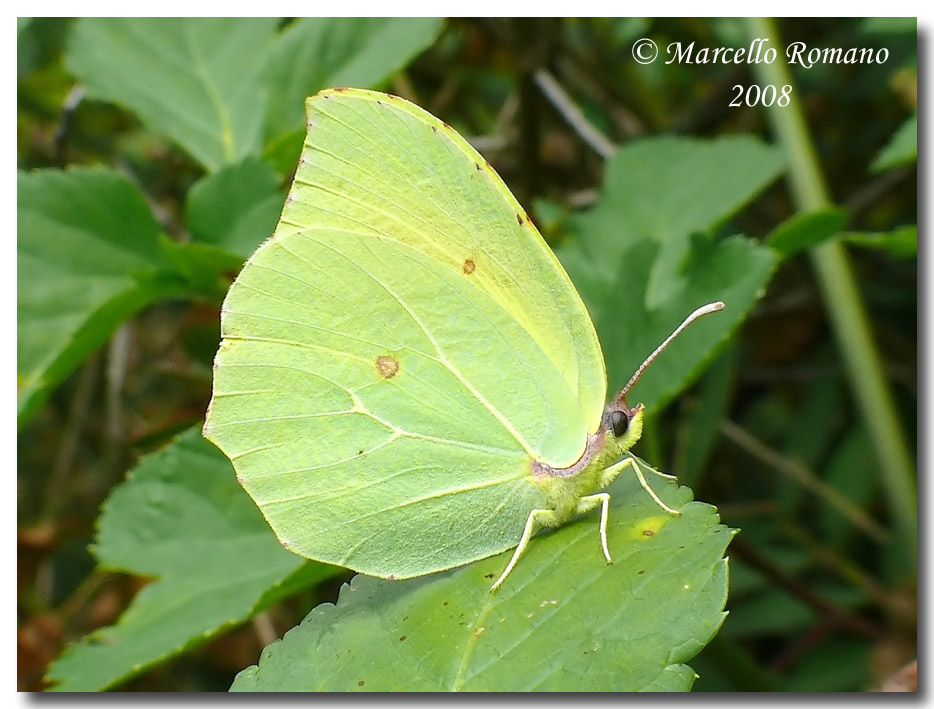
(701,311)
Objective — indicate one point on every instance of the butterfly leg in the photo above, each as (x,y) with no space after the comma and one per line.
(645,486)
(585,504)
(537,520)
(611,473)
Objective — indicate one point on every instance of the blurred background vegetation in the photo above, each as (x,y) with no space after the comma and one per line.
(823,585)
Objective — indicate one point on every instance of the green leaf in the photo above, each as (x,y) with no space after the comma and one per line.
(835,665)
(207,269)
(901,242)
(902,148)
(889,25)
(181,518)
(734,271)
(701,430)
(236,208)
(27,47)
(851,471)
(88,257)
(669,187)
(319,52)
(664,190)
(563,621)
(195,80)
(806,229)
(771,612)
(659,198)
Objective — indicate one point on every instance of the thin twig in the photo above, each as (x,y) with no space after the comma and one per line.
(117,357)
(265,629)
(799,648)
(870,192)
(56,485)
(573,115)
(845,568)
(803,476)
(625,122)
(60,140)
(839,617)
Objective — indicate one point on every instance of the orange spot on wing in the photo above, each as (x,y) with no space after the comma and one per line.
(387,366)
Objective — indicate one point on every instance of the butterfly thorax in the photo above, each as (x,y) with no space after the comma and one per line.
(563,487)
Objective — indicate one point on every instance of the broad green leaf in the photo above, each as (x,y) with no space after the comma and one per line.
(182,519)
(806,229)
(664,190)
(671,187)
(901,242)
(563,621)
(88,257)
(206,268)
(734,270)
(659,200)
(902,149)
(314,53)
(196,81)
(236,208)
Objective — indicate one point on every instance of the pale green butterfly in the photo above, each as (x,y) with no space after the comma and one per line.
(408,381)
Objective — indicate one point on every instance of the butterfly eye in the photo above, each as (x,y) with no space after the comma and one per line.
(619,422)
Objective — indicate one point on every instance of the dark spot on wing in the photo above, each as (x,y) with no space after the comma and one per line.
(387,366)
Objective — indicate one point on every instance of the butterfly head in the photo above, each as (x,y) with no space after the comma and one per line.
(624,422)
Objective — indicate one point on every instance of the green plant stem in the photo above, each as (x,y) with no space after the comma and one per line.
(844,304)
